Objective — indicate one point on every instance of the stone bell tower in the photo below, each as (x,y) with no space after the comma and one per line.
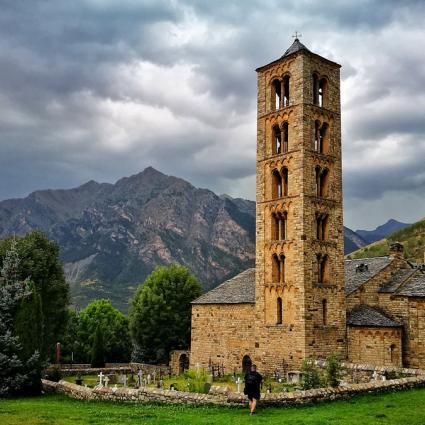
(300,301)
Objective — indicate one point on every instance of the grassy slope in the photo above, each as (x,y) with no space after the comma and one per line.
(399,408)
(412,237)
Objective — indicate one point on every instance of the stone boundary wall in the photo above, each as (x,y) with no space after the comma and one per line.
(86,369)
(145,395)
(354,373)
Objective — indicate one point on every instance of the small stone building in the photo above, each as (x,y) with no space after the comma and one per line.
(302,299)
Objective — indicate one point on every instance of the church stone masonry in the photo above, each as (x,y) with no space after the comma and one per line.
(300,309)
(302,299)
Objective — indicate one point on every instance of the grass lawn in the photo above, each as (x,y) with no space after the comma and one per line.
(406,407)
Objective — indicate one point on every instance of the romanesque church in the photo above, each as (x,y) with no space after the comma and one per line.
(303,299)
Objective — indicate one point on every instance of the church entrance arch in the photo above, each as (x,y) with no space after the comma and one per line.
(246,364)
(183,363)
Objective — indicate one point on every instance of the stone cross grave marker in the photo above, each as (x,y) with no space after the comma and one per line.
(238,383)
(149,379)
(101,375)
(106,381)
(140,377)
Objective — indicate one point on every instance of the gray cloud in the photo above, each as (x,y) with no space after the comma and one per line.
(101,89)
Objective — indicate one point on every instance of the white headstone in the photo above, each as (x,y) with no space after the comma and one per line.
(149,379)
(101,375)
(106,381)
(238,383)
(140,376)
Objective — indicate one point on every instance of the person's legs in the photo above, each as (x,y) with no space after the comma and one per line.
(253,405)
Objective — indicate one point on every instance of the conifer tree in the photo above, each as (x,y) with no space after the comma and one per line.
(18,374)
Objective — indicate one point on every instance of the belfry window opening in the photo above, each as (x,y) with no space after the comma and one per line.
(285,133)
(321,137)
(277,184)
(278,269)
(277,90)
(322,268)
(277,140)
(321,226)
(285,178)
(322,182)
(279,230)
(286,90)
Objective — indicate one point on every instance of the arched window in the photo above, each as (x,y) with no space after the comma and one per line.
(277,140)
(278,268)
(321,226)
(285,135)
(285,181)
(317,136)
(279,226)
(394,359)
(321,92)
(279,311)
(322,268)
(277,184)
(286,90)
(324,312)
(322,177)
(321,139)
(315,89)
(276,94)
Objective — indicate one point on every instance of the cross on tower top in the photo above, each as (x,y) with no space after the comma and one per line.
(297,35)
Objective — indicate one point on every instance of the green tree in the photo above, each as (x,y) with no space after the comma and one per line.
(115,329)
(39,262)
(29,322)
(98,349)
(161,312)
(18,373)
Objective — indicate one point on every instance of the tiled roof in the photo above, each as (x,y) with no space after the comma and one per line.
(238,290)
(295,47)
(365,315)
(355,278)
(398,278)
(415,286)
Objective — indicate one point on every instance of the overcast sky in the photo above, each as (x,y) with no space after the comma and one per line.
(101,89)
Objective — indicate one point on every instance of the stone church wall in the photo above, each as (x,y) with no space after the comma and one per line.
(379,346)
(222,334)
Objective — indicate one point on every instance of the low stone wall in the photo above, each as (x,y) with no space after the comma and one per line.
(86,369)
(355,373)
(146,395)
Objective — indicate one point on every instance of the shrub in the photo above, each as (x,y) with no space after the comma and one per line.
(197,378)
(311,376)
(333,371)
(53,374)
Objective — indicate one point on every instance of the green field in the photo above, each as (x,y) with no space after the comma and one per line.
(406,407)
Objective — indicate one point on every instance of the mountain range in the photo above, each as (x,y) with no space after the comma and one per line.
(111,236)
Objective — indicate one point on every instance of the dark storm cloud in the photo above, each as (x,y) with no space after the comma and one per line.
(101,89)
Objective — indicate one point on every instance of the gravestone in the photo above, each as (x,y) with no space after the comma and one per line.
(101,376)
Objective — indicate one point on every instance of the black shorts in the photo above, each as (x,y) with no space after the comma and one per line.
(253,395)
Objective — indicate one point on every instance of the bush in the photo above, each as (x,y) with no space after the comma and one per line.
(333,371)
(311,376)
(54,374)
(197,378)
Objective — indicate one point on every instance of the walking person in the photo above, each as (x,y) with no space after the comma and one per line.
(252,388)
